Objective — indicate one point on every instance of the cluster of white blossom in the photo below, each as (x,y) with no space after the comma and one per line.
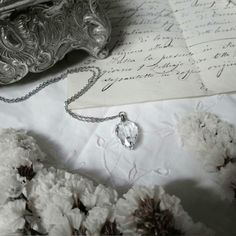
(60,198)
(214,141)
(40,201)
(167,209)
(20,159)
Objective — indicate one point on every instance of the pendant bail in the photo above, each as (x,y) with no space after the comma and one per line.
(123,116)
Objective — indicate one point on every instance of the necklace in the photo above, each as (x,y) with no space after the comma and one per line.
(126,131)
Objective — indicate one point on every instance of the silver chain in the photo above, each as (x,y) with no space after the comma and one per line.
(96,74)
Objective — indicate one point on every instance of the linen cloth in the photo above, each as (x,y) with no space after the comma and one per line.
(94,151)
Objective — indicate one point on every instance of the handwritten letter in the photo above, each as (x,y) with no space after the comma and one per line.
(163,50)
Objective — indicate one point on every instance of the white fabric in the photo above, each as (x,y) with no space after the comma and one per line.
(95,151)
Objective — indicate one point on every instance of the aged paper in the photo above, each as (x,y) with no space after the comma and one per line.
(163,50)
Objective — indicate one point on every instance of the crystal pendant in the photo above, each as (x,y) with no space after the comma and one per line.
(127,131)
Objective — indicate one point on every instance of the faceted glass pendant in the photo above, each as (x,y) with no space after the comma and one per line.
(127,131)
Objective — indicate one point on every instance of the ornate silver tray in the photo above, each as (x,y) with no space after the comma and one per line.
(35,34)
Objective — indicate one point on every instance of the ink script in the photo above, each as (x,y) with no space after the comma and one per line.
(163,50)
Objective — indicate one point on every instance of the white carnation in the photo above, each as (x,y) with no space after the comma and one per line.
(18,148)
(69,204)
(82,189)
(105,196)
(127,206)
(62,229)
(49,196)
(67,224)
(11,184)
(52,213)
(95,220)
(12,216)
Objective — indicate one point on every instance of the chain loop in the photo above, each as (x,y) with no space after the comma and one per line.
(96,74)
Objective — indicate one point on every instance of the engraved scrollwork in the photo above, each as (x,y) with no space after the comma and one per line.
(34,38)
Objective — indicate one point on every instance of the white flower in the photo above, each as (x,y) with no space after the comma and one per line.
(67,224)
(19,153)
(227,182)
(53,211)
(182,220)
(143,197)
(212,138)
(12,216)
(17,148)
(62,229)
(11,184)
(69,186)
(75,217)
(82,190)
(47,185)
(105,196)
(96,219)
(49,196)
(54,193)
(68,204)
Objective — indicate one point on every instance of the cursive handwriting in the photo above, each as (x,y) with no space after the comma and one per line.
(165,49)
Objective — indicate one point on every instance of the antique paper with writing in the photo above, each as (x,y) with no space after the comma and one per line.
(163,50)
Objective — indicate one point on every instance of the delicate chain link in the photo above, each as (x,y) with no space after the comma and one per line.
(96,74)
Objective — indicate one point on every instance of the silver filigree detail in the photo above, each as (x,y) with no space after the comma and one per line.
(35,38)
